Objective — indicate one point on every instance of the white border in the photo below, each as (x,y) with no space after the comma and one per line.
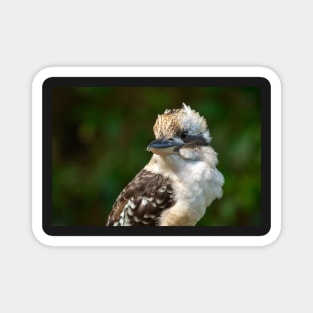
(156,72)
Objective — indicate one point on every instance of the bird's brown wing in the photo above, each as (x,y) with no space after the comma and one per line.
(142,201)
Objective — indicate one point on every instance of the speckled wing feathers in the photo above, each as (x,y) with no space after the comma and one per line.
(142,201)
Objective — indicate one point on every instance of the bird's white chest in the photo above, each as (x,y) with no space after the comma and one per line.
(196,186)
(196,183)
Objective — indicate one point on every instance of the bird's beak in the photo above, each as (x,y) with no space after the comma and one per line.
(163,146)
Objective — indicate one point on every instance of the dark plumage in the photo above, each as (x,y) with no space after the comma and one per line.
(142,201)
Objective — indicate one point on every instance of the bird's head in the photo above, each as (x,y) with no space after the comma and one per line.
(179,131)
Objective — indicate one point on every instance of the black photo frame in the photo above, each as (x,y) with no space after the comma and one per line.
(70,81)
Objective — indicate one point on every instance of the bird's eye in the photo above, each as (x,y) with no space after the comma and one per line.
(184,134)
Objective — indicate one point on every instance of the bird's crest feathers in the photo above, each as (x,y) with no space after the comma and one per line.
(175,121)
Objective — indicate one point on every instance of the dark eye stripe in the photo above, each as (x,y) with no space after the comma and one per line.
(184,134)
(195,140)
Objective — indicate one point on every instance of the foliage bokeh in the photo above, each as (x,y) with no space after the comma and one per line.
(100,135)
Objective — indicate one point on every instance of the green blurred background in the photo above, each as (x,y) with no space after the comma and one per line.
(100,135)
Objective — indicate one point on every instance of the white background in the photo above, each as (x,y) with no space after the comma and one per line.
(37,34)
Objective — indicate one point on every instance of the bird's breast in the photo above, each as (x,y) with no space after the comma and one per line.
(195,188)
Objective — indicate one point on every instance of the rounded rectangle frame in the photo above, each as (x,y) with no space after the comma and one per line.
(240,238)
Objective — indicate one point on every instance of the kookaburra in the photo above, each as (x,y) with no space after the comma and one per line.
(180,181)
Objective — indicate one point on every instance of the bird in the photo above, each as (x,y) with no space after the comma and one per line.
(181,179)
